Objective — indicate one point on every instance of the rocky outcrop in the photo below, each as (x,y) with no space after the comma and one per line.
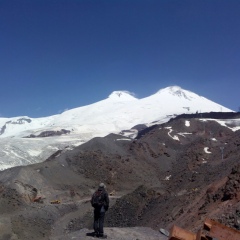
(49,134)
(18,121)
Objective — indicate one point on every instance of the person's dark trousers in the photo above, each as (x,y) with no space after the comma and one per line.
(98,222)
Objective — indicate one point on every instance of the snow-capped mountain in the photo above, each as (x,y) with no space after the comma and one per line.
(26,140)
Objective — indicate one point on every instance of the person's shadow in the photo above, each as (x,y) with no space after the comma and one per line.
(91,234)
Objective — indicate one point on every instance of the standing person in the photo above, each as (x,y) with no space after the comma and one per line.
(100,202)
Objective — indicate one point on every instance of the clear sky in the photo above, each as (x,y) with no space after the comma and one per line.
(61,54)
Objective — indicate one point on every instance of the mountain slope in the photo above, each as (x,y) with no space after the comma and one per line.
(27,140)
(173,173)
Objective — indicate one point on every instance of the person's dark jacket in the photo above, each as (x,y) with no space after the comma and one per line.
(105,201)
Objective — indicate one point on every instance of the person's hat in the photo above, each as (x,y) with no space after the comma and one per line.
(102,185)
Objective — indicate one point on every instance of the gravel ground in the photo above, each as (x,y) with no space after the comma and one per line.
(135,233)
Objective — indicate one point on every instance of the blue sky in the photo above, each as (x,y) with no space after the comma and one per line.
(61,54)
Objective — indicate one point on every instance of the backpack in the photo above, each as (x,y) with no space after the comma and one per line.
(98,199)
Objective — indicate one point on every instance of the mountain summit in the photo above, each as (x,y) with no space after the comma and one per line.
(122,96)
(27,140)
(176,91)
